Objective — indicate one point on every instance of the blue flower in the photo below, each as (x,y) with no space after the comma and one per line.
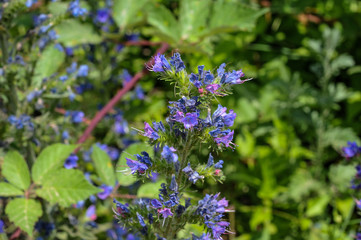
(107,190)
(351,150)
(169,155)
(144,159)
(210,161)
(21,122)
(75,116)
(121,209)
(40,19)
(126,77)
(103,15)
(141,220)
(2,226)
(193,176)
(30,3)
(91,213)
(177,62)
(173,184)
(75,9)
(71,161)
(190,120)
(136,166)
(83,70)
(65,135)
(33,94)
(72,68)
(63,78)
(155,203)
(225,138)
(219,164)
(161,64)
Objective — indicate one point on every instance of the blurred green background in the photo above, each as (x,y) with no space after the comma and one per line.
(286,179)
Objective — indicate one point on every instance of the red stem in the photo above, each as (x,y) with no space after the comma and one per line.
(99,116)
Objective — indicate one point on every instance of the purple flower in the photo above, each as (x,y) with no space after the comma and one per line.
(169,155)
(165,212)
(190,120)
(351,150)
(225,139)
(71,161)
(103,15)
(139,93)
(136,166)
(121,209)
(126,77)
(149,132)
(161,64)
(156,203)
(83,70)
(2,226)
(90,213)
(107,190)
(213,87)
(358,236)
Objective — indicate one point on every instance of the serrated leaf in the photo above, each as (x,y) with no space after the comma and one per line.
(49,62)
(24,213)
(15,170)
(193,17)
(162,19)
(50,159)
(66,187)
(8,190)
(124,177)
(125,11)
(103,166)
(72,32)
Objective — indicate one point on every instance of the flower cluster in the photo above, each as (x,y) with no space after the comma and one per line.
(190,122)
(21,122)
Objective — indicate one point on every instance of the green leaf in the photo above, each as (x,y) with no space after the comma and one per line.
(230,16)
(66,187)
(162,19)
(50,159)
(123,172)
(149,190)
(24,213)
(72,32)
(316,206)
(341,176)
(58,8)
(193,17)
(15,170)
(8,190)
(49,62)
(125,11)
(103,166)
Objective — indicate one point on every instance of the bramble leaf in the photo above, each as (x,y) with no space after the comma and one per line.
(50,159)
(15,170)
(66,187)
(8,190)
(24,213)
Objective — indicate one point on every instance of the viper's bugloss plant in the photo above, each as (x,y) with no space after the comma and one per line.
(192,122)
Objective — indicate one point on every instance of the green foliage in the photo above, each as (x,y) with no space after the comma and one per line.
(24,213)
(50,159)
(16,170)
(103,166)
(49,62)
(8,190)
(84,33)
(66,187)
(126,12)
